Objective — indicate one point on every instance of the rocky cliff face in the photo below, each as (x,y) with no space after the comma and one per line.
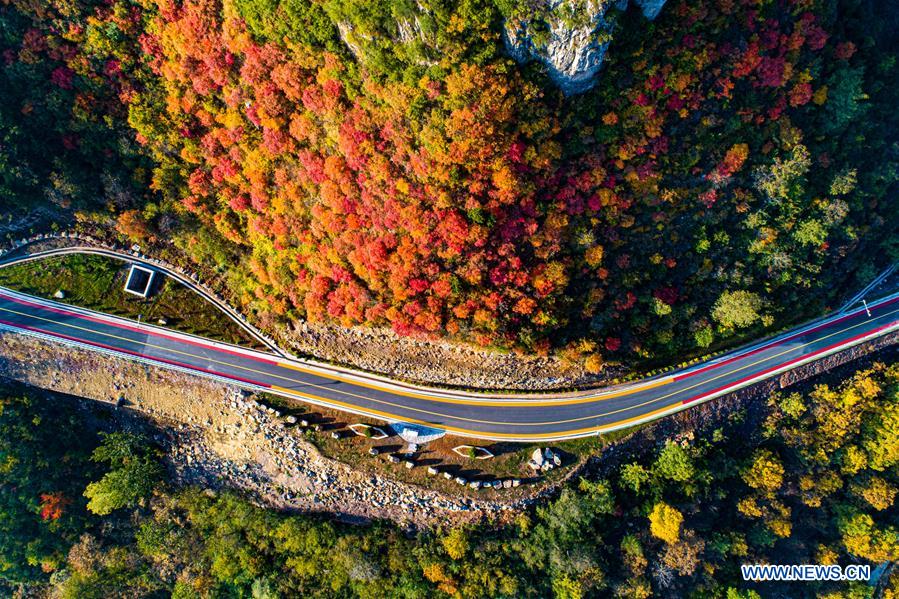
(570,37)
(405,38)
(381,38)
(571,41)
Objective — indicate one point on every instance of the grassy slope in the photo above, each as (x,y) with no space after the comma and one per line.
(97,283)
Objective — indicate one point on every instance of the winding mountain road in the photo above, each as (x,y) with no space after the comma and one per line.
(488,416)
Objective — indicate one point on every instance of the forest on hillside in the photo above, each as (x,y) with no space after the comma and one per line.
(84,515)
(733,171)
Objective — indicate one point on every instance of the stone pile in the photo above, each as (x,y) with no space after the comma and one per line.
(544,459)
(280,467)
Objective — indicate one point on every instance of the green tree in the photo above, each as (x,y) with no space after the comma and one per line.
(785,179)
(704,336)
(844,99)
(134,473)
(455,543)
(674,463)
(737,309)
(635,476)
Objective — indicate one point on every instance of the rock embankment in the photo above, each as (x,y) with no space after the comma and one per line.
(250,449)
(219,439)
(441,363)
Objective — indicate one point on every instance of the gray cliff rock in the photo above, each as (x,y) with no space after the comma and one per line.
(568,41)
(570,37)
(650,8)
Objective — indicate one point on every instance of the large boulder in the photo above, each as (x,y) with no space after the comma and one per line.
(570,37)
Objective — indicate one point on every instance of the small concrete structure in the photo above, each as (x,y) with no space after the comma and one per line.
(409,464)
(393,459)
(448,475)
(140,280)
(371,432)
(416,433)
(60,294)
(432,471)
(475,484)
(461,481)
(466,451)
(373,451)
(335,434)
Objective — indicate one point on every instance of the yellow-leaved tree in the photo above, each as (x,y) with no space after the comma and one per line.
(665,522)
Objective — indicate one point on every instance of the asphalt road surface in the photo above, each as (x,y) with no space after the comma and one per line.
(488,416)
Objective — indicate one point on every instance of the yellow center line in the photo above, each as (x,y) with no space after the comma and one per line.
(630,390)
(304,383)
(238,366)
(449,400)
(728,373)
(179,352)
(470,432)
(587,399)
(318,399)
(628,408)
